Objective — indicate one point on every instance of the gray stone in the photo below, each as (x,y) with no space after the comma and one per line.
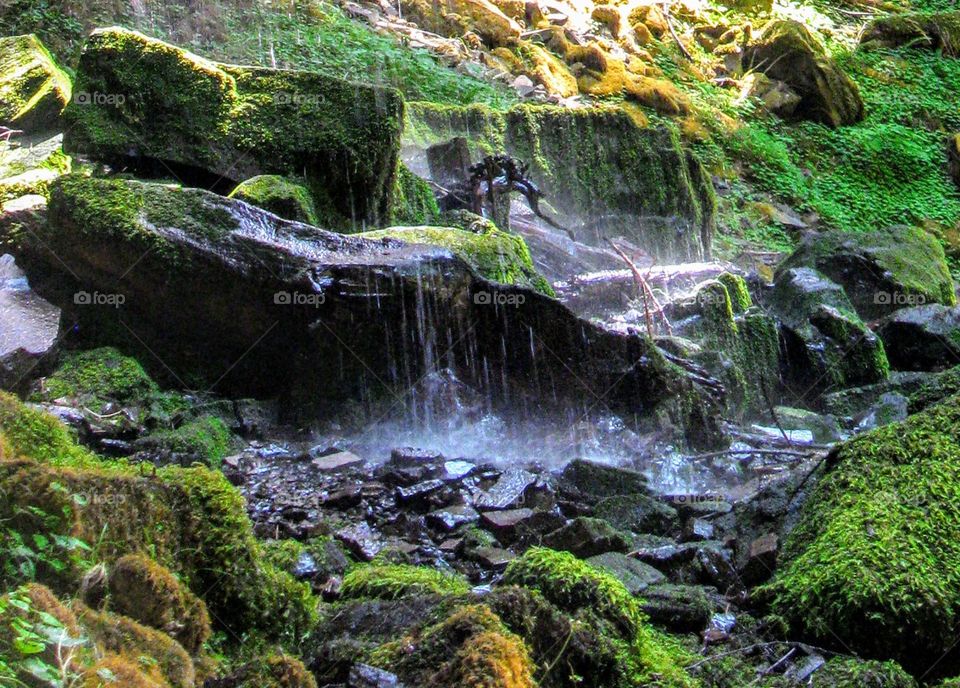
(680,608)
(639,513)
(366,676)
(453,517)
(361,540)
(586,537)
(494,558)
(29,329)
(925,338)
(634,574)
(508,491)
(339,461)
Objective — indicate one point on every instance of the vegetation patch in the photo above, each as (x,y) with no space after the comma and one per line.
(393,581)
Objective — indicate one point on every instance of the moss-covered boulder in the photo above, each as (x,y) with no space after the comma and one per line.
(826,344)
(922,338)
(190,520)
(280,195)
(394,581)
(881,271)
(847,672)
(875,556)
(215,275)
(499,256)
(931,30)
(275,671)
(210,121)
(413,201)
(33,89)
(594,165)
(149,593)
(789,52)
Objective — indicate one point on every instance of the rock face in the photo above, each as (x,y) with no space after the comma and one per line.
(145,103)
(826,344)
(935,31)
(881,271)
(33,89)
(29,328)
(609,176)
(874,557)
(224,289)
(788,52)
(922,338)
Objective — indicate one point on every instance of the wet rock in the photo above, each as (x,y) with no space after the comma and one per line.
(361,540)
(449,162)
(344,498)
(453,517)
(889,408)
(417,494)
(762,559)
(805,668)
(881,271)
(336,462)
(634,574)
(639,513)
(504,523)
(925,338)
(788,52)
(858,400)
(298,284)
(305,567)
(707,562)
(508,491)
(587,482)
(679,608)
(29,329)
(587,537)
(457,470)
(366,676)
(494,558)
(408,457)
(826,344)
(823,429)
(695,505)
(698,529)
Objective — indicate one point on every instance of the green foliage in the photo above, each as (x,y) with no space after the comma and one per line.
(413,201)
(393,581)
(205,439)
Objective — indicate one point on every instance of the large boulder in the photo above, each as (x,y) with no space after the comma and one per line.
(881,271)
(33,89)
(826,344)
(931,30)
(264,306)
(29,329)
(922,338)
(876,554)
(605,175)
(143,103)
(788,52)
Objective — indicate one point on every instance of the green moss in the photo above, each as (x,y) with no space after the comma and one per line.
(191,520)
(943,385)
(843,672)
(205,439)
(932,30)
(228,120)
(874,557)
(102,374)
(278,195)
(34,182)
(737,290)
(393,581)
(277,671)
(413,200)
(578,588)
(495,255)
(33,89)
(591,162)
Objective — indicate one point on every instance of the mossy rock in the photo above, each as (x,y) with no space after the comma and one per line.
(931,30)
(193,521)
(881,271)
(737,290)
(235,123)
(278,195)
(592,163)
(204,440)
(117,670)
(495,255)
(276,671)
(413,202)
(847,672)
(33,89)
(874,557)
(394,581)
(147,647)
(149,593)
(789,52)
